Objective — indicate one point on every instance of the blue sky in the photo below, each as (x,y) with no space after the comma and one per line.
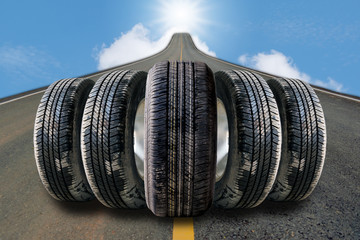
(43,41)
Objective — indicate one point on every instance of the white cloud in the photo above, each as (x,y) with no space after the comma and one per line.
(331,84)
(202,46)
(243,59)
(25,67)
(133,45)
(278,64)
(137,44)
(275,63)
(26,63)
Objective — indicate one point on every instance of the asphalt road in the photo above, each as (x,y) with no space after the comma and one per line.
(28,212)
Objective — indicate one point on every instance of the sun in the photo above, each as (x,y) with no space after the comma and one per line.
(182,15)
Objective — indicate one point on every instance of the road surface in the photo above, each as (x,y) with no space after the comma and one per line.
(28,212)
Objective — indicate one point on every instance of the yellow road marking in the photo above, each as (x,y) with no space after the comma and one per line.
(183,229)
(181,47)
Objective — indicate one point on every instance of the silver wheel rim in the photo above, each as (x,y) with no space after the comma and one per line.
(139,135)
(222,139)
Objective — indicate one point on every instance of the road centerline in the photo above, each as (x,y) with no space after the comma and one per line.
(181,47)
(183,228)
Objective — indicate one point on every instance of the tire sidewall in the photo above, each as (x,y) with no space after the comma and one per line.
(136,93)
(224,93)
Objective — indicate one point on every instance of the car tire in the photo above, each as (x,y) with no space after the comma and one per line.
(254,139)
(57,139)
(304,139)
(180,138)
(107,139)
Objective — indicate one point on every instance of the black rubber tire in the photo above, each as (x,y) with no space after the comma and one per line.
(107,139)
(304,139)
(254,139)
(57,139)
(180,138)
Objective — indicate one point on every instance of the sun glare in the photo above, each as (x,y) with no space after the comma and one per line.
(182,15)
